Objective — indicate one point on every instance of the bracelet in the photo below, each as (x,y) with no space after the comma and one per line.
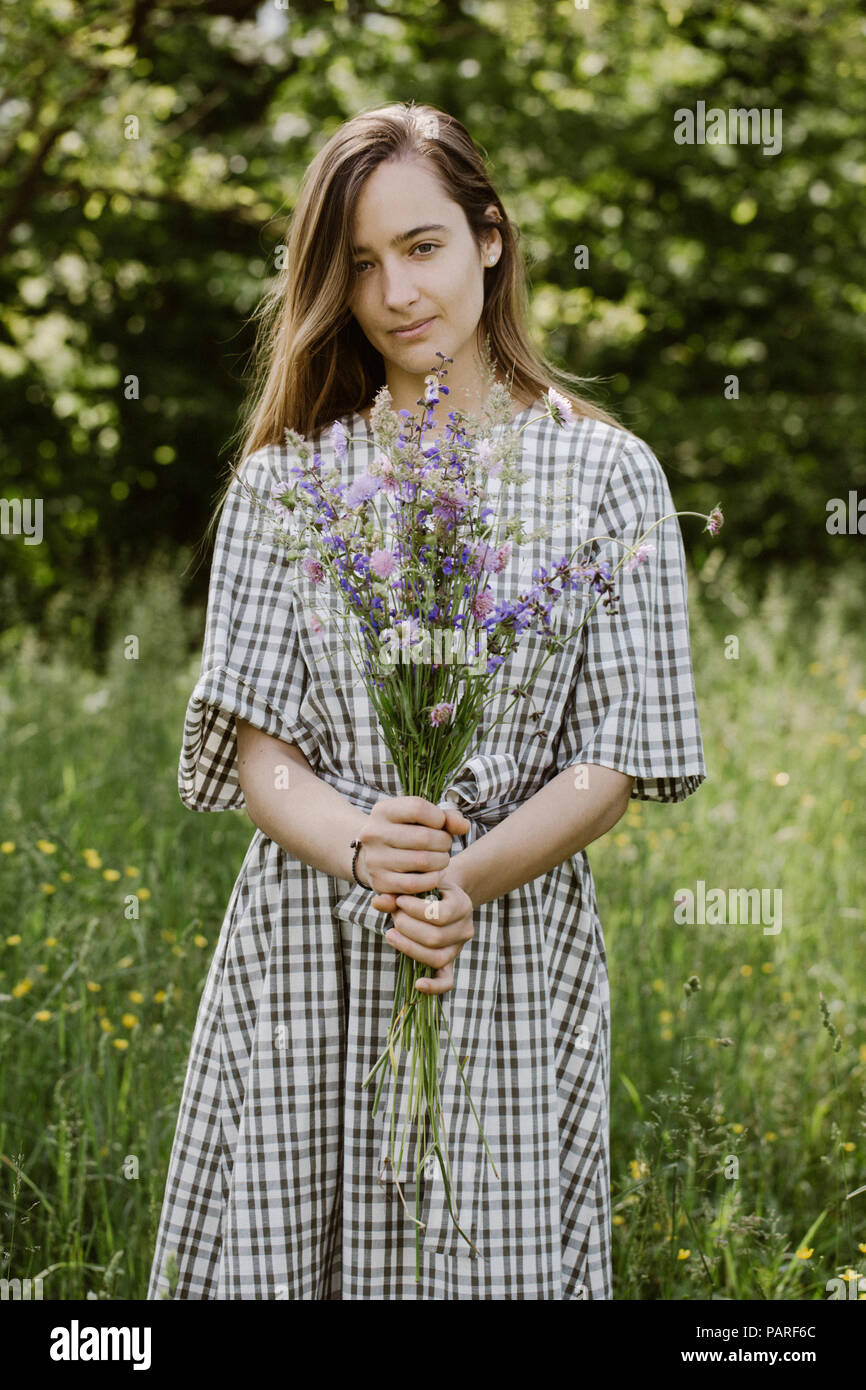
(356,846)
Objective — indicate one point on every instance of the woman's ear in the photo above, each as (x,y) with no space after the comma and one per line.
(493,240)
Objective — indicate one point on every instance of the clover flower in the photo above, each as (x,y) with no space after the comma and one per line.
(482,605)
(441,713)
(313,568)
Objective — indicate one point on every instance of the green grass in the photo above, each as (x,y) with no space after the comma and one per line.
(741,1152)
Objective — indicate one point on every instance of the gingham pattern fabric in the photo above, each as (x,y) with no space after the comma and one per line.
(275,1186)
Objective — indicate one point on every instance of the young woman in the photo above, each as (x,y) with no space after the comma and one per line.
(278,1185)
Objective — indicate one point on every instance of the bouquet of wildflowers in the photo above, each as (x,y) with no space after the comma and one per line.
(409,547)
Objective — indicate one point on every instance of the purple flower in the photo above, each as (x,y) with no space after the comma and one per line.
(339,440)
(715,520)
(362,489)
(559,407)
(441,713)
(313,569)
(383,563)
(449,506)
(483,558)
(276,503)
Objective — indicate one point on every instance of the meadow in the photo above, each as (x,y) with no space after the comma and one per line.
(738,1083)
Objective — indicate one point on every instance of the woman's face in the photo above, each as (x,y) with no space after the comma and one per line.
(435,274)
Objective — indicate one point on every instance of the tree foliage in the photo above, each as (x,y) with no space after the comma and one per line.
(150,153)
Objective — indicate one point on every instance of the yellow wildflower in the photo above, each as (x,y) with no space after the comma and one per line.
(48,887)
(110,875)
(43,1016)
(46,846)
(106,1026)
(7,847)
(683,1254)
(129,1020)
(806,1254)
(159,997)
(13,940)
(199,940)
(136,996)
(120,1043)
(23,987)
(93,986)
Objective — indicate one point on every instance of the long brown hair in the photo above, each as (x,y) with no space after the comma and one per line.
(311,361)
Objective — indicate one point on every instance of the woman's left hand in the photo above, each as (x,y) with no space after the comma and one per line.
(433,931)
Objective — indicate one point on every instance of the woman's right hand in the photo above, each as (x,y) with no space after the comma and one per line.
(406,844)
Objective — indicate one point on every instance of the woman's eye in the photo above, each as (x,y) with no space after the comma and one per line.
(432,244)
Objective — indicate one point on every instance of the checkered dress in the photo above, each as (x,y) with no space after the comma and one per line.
(275,1186)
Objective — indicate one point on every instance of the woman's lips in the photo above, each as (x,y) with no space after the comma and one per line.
(403,333)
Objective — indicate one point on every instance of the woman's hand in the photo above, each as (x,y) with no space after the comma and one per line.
(431,931)
(406,844)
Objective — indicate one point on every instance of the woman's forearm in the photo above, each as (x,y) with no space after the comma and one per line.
(552,826)
(299,811)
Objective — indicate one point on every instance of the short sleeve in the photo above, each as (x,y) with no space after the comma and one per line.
(633,703)
(252,667)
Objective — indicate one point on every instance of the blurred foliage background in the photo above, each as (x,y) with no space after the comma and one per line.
(150,154)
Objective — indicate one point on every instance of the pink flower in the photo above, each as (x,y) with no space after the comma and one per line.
(482,605)
(441,713)
(383,563)
(315,625)
(313,569)
(715,521)
(483,558)
(503,555)
(642,553)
